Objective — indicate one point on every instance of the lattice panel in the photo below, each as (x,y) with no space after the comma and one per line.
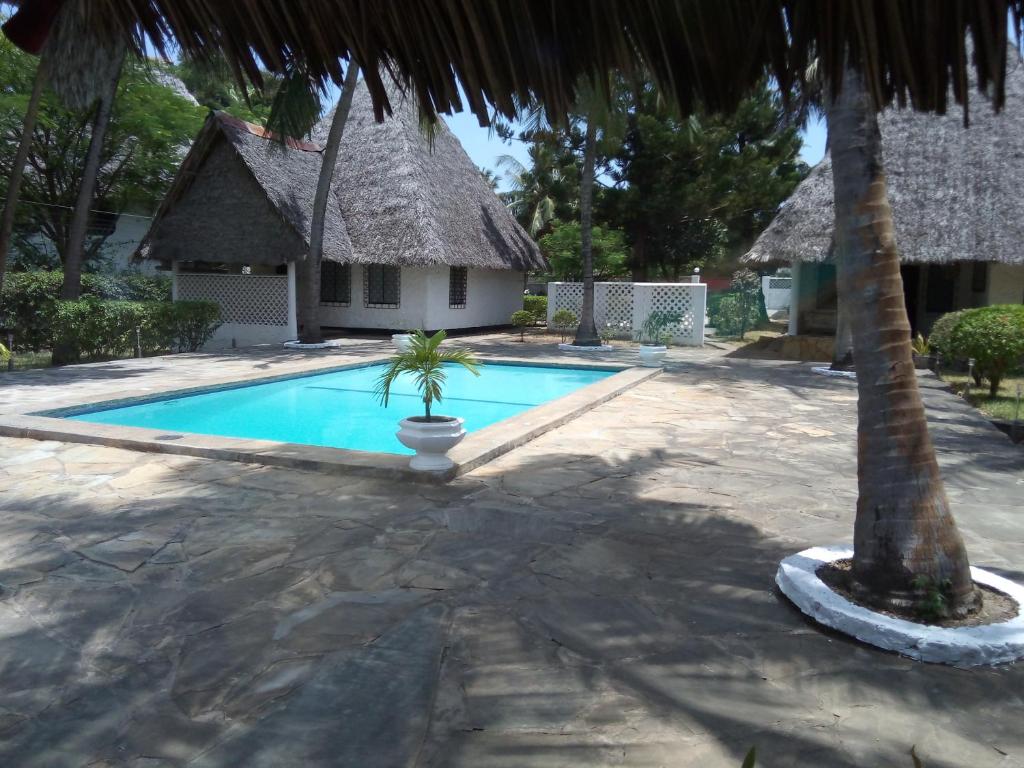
(566,296)
(779,283)
(243,299)
(613,306)
(668,298)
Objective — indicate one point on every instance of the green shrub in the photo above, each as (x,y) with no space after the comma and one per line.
(536,306)
(993,337)
(27,298)
(730,316)
(939,338)
(94,329)
(564,320)
(522,320)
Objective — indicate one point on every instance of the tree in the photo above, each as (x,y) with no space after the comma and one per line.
(548,189)
(150,129)
(213,85)
(906,543)
(562,247)
(18,166)
(308,308)
(490,178)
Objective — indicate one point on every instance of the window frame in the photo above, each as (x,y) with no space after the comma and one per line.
(367,302)
(458,290)
(346,301)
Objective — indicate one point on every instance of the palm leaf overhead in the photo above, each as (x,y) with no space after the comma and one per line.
(506,53)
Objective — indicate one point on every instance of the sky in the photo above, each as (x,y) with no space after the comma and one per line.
(484,147)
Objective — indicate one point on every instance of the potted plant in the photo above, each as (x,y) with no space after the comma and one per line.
(430,435)
(923,359)
(654,337)
(402,341)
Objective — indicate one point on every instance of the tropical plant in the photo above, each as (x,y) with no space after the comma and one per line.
(562,247)
(425,362)
(564,319)
(522,320)
(540,193)
(536,306)
(654,330)
(5,354)
(942,330)
(920,345)
(746,286)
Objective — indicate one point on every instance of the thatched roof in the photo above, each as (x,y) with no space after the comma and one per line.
(395,198)
(955,192)
(701,52)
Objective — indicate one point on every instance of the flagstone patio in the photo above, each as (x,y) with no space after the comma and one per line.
(599,597)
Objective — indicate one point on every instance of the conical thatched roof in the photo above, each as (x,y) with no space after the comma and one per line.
(395,198)
(955,192)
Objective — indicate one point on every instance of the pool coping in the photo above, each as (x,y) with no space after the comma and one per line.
(476,449)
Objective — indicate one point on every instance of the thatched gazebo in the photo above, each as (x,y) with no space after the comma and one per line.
(958,207)
(414,237)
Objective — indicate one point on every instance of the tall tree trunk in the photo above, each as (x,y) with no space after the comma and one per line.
(71,288)
(906,543)
(18,171)
(308,309)
(586,334)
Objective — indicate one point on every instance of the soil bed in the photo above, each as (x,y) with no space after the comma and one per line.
(996,606)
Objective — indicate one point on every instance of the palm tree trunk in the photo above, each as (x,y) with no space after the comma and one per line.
(18,171)
(906,543)
(71,288)
(586,334)
(308,309)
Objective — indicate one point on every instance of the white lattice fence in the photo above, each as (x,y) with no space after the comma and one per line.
(243,299)
(776,292)
(624,307)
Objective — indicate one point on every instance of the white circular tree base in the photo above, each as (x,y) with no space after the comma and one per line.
(962,646)
(574,348)
(329,344)
(824,370)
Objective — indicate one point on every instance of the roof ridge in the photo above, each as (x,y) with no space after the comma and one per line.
(258,130)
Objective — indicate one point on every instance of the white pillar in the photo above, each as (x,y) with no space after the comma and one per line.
(794,299)
(174,280)
(293,324)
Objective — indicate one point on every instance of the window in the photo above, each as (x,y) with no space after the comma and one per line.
(335,283)
(381,286)
(458,278)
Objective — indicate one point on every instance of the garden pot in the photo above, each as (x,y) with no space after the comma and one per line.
(651,355)
(402,341)
(924,362)
(431,440)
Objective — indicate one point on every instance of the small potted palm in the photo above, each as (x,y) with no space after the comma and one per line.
(430,435)
(654,336)
(402,341)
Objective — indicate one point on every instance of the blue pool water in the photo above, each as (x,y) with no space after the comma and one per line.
(339,409)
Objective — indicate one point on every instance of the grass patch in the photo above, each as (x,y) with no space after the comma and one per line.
(1003,406)
(26,360)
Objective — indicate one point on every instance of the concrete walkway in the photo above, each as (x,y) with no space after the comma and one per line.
(599,597)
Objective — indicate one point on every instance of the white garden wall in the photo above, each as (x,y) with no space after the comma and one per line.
(776,292)
(625,306)
(254,309)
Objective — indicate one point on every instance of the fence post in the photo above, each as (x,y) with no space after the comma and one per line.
(552,304)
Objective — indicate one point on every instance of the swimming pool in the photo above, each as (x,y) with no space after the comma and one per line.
(339,410)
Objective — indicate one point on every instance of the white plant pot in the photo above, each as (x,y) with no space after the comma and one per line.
(651,356)
(431,441)
(402,341)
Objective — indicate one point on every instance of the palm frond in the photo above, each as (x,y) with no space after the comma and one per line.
(296,107)
(425,363)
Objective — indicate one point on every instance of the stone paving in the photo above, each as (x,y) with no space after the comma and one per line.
(599,597)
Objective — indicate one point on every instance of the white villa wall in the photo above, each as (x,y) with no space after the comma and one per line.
(1006,284)
(492,296)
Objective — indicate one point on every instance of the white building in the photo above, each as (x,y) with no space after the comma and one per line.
(414,238)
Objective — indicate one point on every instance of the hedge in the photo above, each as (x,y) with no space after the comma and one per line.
(27,298)
(992,336)
(95,329)
(536,306)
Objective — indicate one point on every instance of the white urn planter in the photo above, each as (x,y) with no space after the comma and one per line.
(402,341)
(651,355)
(431,440)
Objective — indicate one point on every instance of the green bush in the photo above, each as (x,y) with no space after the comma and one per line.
(563,320)
(94,329)
(522,320)
(993,337)
(939,338)
(27,298)
(727,316)
(536,306)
